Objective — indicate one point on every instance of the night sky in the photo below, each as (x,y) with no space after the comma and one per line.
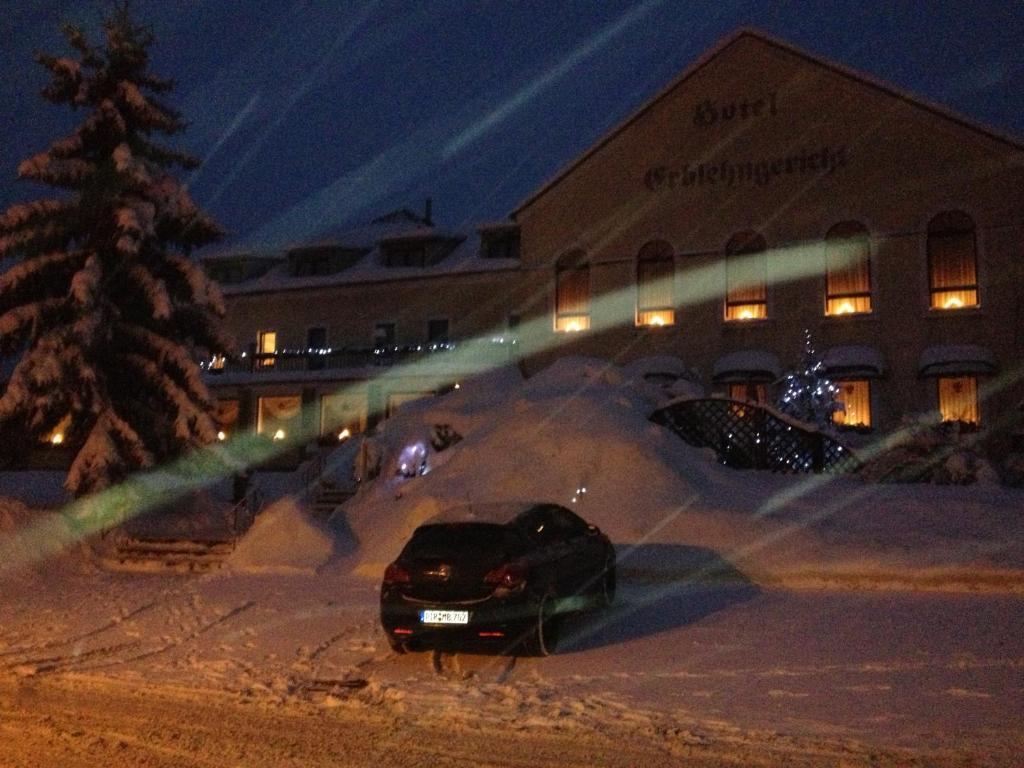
(315,115)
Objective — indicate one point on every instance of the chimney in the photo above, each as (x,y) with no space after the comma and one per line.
(428,210)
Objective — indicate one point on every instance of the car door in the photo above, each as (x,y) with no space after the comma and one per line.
(579,558)
(547,557)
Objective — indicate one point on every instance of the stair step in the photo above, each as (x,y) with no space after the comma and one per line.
(181,547)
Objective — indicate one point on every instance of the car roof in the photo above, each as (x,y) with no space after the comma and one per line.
(497,513)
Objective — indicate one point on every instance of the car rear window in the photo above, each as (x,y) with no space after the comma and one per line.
(464,538)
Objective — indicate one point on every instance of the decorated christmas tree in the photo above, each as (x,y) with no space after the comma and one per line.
(808,394)
(103,312)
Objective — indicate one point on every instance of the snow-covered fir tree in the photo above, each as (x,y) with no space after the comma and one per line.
(103,311)
(808,394)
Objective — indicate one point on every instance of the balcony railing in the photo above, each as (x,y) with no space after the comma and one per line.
(464,355)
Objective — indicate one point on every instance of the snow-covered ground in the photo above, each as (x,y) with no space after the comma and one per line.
(761,618)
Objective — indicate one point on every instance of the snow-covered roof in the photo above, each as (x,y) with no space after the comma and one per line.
(854,359)
(746,364)
(241,255)
(956,358)
(422,233)
(497,226)
(464,258)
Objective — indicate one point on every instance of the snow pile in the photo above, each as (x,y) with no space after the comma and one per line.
(577,425)
(578,434)
(283,539)
(13,516)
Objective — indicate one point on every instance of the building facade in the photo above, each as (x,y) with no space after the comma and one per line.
(763,194)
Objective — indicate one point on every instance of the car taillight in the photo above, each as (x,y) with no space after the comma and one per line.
(508,575)
(396,574)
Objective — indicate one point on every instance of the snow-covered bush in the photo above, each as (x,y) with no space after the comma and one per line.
(444,437)
(947,454)
(1013,470)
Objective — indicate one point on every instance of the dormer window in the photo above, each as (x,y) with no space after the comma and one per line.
(406,255)
(322,259)
(238,267)
(417,251)
(499,243)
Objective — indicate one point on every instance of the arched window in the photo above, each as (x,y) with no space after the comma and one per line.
(952,261)
(848,269)
(572,292)
(655,285)
(746,296)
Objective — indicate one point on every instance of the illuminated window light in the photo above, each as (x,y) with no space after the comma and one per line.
(279,435)
(746,314)
(222,435)
(657,318)
(846,308)
(953,302)
(572,323)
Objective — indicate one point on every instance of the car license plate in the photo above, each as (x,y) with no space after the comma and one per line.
(444,617)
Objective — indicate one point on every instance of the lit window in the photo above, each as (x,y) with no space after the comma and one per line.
(848,269)
(266,346)
(655,290)
(572,293)
(752,392)
(279,415)
(226,416)
(217,363)
(855,399)
(745,276)
(958,399)
(342,413)
(952,261)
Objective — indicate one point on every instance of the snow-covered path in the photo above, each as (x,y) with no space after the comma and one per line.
(676,666)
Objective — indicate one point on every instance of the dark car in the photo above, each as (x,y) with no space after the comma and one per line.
(502,575)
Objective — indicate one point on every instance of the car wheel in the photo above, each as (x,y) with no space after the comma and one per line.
(398,646)
(608,585)
(543,638)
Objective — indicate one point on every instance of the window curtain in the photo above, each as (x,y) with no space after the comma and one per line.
(952,261)
(655,276)
(958,399)
(848,265)
(746,265)
(855,397)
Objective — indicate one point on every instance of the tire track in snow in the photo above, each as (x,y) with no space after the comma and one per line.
(56,643)
(27,667)
(177,642)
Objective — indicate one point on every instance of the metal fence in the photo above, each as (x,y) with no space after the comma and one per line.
(748,436)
